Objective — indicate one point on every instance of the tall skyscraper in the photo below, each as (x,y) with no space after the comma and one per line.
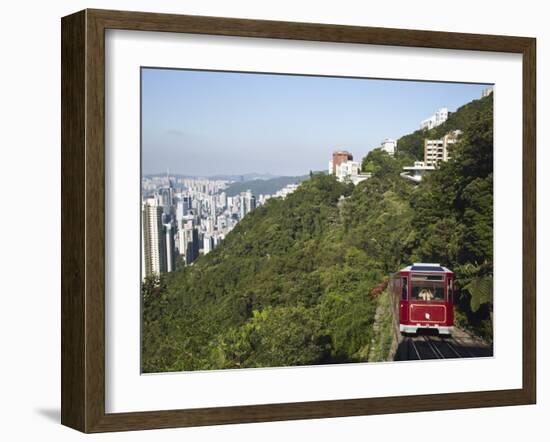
(167,198)
(154,241)
(223,200)
(242,206)
(247,203)
(188,240)
(208,244)
(170,247)
(210,224)
(187,203)
(183,207)
(193,245)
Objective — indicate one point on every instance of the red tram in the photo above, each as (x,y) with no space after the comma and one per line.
(425,298)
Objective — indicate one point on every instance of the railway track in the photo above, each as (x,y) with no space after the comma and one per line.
(425,346)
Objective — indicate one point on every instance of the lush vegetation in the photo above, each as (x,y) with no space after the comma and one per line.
(298,281)
(265,187)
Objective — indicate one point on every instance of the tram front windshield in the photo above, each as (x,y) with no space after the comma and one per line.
(427,288)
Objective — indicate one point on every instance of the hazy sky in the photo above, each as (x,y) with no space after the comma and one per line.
(208,123)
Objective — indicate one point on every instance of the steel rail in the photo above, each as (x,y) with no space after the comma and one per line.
(433,348)
(411,341)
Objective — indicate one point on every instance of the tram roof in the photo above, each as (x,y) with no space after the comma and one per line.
(425,267)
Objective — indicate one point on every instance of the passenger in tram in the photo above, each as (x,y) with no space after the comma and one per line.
(426,295)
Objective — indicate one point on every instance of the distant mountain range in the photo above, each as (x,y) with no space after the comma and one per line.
(257,183)
(265,186)
(243,177)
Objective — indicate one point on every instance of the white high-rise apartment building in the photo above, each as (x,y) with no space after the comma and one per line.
(208,244)
(210,224)
(247,203)
(222,198)
(436,119)
(183,207)
(154,240)
(170,247)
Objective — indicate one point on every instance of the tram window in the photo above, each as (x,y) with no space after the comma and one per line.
(428,290)
(404,289)
(450,290)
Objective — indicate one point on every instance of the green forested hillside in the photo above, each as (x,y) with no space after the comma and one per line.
(295,283)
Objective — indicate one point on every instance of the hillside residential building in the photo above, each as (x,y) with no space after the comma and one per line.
(345,169)
(389,145)
(435,151)
(436,119)
(438,150)
(338,157)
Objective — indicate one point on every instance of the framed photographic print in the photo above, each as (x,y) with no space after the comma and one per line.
(269,220)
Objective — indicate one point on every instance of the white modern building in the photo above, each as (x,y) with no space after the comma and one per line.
(389,145)
(436,119)
(350,171)
(416,172)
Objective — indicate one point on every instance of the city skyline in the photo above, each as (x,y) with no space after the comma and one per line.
(189,217)
(204,123)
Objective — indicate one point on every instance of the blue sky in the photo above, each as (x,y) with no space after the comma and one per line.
(207,123)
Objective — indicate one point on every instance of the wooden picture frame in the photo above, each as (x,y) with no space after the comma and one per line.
(83,220)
